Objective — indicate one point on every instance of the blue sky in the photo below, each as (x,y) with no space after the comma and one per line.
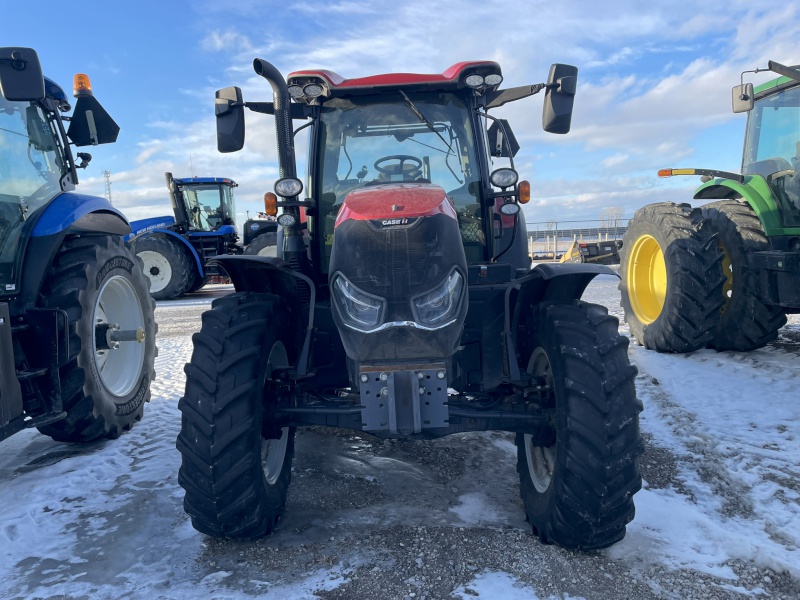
(653,86)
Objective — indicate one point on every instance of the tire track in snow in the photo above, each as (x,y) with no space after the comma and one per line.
(731,418)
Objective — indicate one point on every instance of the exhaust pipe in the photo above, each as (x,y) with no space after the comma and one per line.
(283,117)
(294,251)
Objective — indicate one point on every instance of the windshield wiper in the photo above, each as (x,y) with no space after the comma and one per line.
(433,129)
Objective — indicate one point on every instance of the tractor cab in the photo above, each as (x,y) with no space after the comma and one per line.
(772,144)
(202,204)
(36,161)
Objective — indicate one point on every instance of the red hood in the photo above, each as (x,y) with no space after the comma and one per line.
(396,201)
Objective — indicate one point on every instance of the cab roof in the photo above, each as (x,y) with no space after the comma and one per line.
(204,180)
(451,79)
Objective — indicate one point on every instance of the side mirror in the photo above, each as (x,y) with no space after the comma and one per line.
(742,97)
(91,124)
(229,110)
(20,74)
(558,100)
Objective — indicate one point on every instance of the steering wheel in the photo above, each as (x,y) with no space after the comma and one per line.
(399,167)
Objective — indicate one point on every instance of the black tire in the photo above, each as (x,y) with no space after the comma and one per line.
(745,323)
(671,278)
(196,284)
(265,244)
(168,266)
(97,280)
(224,427)
(578,491)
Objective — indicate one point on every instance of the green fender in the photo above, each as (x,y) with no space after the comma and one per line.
(756,192)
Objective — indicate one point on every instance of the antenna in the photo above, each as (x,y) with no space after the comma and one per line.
(107,175)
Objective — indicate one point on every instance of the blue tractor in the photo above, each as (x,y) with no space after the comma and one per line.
(77,333)
(176,250)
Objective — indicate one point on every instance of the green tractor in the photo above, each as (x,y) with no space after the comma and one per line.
(724,275)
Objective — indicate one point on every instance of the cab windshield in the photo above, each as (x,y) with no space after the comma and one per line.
(30,173)
(772,149)
(209,206)
(393,138)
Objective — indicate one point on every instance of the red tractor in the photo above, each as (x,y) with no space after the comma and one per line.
(403,303)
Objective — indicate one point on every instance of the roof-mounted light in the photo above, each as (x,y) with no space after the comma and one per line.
(81,86)
(296,91)
(493,79)
(474,80)
(313,90)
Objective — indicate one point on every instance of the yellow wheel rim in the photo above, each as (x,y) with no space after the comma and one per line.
(647,279)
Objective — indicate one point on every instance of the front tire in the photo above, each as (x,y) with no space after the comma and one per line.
(98,281)
(237,461)
(265,244)
(167,266)
(578,490)
(670,278)
(745,323)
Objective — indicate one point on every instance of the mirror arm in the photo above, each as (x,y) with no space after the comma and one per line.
(501,97)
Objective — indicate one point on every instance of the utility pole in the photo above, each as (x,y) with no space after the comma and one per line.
(107,175)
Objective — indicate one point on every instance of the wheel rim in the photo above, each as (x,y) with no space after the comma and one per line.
(541,460)
(119,368)
(273,452)
(157,269)
(647,279)
(271,250)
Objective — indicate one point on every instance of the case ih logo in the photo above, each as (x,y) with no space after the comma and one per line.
(394,222)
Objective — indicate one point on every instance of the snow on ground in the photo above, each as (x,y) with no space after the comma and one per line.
(106,521)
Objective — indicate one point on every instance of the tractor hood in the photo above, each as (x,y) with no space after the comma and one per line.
(398,273)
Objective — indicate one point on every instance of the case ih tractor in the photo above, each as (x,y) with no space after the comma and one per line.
(77,335)
(724,275)
(406,305)
(177,251)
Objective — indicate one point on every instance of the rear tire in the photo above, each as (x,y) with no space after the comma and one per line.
(671,278)
(265,244)
(236,463)
(166,265)
(745,323)
(97,280)
(578,491)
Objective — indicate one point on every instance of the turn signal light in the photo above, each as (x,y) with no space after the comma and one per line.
(270,204)
(671,172)
(524,192)
(81,86)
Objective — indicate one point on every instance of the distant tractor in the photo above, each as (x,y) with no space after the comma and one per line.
(176,250)
(405,306)
(724,275)
(77,334)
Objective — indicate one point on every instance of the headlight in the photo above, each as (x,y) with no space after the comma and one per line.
(288,187)
(504,177)
(440,304)
(358,309)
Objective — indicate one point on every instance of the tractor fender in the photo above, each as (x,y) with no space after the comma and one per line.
(66,213)
(177,238)
(546,282)
(80,213)
(267,274)
(755,191)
